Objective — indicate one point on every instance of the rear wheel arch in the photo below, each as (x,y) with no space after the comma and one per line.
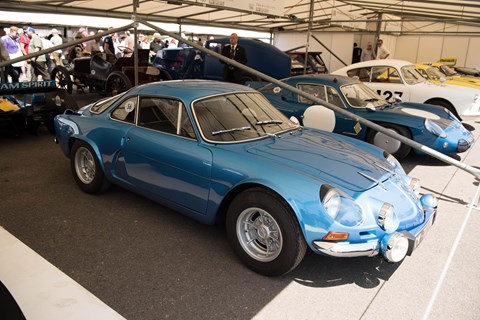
(403,150)
(443,103)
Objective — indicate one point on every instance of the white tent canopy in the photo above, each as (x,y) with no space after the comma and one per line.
(430,16)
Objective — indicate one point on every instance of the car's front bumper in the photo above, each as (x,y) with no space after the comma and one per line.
(375,246)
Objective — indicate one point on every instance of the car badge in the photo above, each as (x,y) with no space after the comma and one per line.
(357,128)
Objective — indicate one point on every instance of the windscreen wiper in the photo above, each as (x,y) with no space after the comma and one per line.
(231,130)
(272,121)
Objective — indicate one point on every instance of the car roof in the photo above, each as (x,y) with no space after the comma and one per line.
(324,78)
(188,89)
(382,62)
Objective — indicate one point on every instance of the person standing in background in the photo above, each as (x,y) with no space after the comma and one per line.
(39,64)
(24,43)
(56,40)
(368,53)
(109,48)
(10,41)
(382,51)
(237,53)
(129,44)
(357,53)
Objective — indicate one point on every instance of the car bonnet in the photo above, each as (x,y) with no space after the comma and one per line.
(327,158)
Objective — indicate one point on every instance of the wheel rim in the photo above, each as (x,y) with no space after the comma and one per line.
(387,143)
(116,85)
(85,165)
(259,234)
(61,79)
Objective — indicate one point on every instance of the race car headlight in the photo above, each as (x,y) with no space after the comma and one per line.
(397,167)
(434,128)
(414,185)
(341,207)
(386,216)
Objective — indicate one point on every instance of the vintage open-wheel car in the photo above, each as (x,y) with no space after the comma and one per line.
(101,75)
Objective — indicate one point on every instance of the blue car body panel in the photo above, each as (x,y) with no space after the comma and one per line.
(403,114)
(197,177)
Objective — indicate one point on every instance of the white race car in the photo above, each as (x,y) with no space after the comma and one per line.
(397,78)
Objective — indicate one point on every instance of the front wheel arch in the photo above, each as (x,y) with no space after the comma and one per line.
(276,221)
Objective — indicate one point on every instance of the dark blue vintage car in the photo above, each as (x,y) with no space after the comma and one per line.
(220,152)
(433,126)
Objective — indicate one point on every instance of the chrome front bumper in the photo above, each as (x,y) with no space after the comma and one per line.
(339,249)
(373,247)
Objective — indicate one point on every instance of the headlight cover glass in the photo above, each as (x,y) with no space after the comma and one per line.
(435,128)
(341,207)
(397,167)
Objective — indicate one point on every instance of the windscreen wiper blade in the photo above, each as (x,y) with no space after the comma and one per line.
(272,121)
(231,130)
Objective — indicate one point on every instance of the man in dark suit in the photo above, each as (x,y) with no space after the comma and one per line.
(237,53)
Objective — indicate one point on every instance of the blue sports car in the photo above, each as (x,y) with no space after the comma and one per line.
(220,152)
(433,126)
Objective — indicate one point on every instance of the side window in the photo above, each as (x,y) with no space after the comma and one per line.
(385,74)
(165,115)
(314,90)
(126,111)
(334,98)
(363,74)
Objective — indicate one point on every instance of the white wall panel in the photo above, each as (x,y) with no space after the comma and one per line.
(429,49)
(473,56)
(415,48)
(456,47)
(407,48)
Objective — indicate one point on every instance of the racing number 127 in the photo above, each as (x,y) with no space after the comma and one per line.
(388,94)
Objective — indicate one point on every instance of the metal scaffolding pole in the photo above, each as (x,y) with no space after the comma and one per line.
(463,166)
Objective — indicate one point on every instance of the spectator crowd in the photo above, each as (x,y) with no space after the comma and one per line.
(22,41)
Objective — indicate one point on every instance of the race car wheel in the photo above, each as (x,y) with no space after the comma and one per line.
(117,82)
(86,169)
(62,78)
(396,148)
(264,232)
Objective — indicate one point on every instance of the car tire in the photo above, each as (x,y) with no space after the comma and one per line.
(264,232)
(117,82)
(396,148)
(86,169)
(62,78)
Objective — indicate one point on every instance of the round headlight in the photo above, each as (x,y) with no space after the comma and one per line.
(396,248)
(386,216)
(341,207)
(397,167)
(414,185)
(332,203)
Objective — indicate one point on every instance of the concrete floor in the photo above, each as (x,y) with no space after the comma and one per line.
(149,262)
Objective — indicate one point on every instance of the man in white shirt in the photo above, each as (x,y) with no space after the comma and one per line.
(382,51)
(56,40)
